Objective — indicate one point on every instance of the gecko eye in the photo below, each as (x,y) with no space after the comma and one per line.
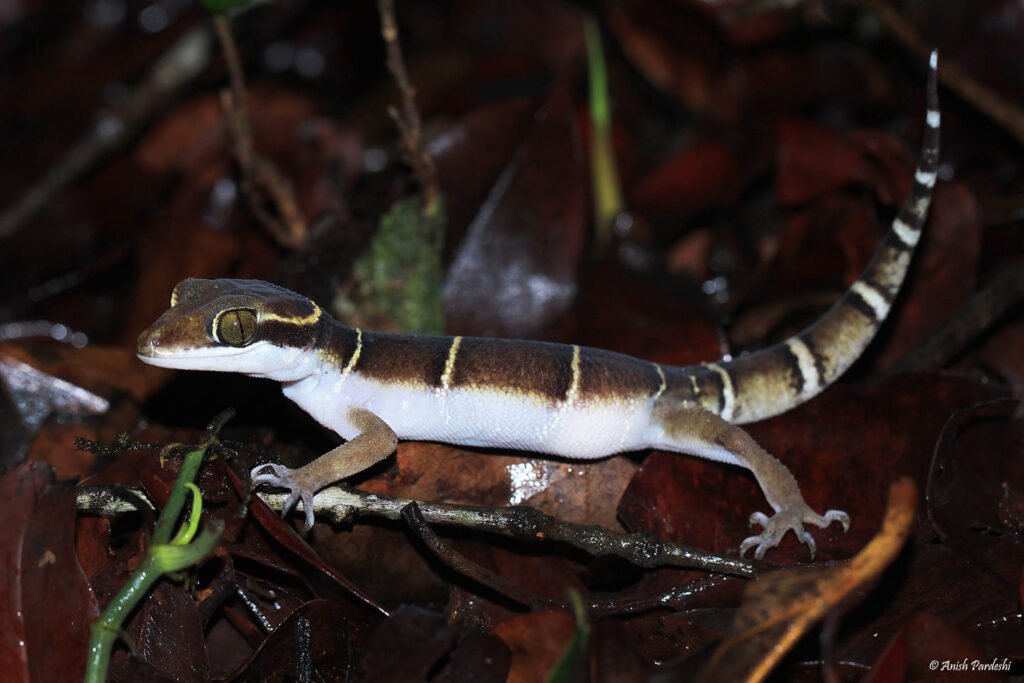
(235,327)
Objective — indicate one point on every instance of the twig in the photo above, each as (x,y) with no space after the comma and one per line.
(973,319)
(185,60)
(337,504)
(408,121)
(112,501)
(260,177)
(414,518)
(985,99)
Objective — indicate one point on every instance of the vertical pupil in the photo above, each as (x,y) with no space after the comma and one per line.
(234,328)
(237,327)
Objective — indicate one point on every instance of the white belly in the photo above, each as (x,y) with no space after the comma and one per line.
(472,417)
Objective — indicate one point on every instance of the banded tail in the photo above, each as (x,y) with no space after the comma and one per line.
(773,380)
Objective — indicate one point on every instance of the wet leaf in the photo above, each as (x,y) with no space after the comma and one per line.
(168,638)
(45,601)
(515,271)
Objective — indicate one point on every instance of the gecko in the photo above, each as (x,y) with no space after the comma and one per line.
(565,400)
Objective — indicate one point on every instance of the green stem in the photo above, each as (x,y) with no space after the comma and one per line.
(604,177)
(105,630)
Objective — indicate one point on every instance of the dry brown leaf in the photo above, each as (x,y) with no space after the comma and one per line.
(781,607)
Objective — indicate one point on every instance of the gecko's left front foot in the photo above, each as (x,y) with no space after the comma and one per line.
(789,519)
(285,478)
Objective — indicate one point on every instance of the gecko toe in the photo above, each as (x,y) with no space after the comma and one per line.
(272,474)
(307,507)
(751,542)
(282,477)
(808,540)
(758,518)
(837,516)
(793,518)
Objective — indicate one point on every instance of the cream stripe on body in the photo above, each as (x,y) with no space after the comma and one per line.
(574,384)
(446,378)
(351,361)
(872,297)
(728,392)
(811,382)
(907,234)
(662,383)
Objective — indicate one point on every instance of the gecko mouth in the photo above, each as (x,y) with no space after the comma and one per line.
(149,350)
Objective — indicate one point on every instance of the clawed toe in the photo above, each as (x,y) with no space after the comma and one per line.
(281,477)
(774,528)
(837,516)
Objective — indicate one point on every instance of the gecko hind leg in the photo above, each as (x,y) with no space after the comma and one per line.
(375,441)
(689,428)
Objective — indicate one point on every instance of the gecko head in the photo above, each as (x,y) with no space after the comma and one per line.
(247,326)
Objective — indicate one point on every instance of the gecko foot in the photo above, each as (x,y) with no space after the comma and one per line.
(789,519)
(282,477)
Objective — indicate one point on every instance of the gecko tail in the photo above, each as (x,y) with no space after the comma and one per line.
(775,379)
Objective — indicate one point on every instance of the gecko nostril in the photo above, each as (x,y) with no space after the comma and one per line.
(147,343)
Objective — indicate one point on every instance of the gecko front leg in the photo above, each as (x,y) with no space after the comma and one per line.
(376,441)
(692,429)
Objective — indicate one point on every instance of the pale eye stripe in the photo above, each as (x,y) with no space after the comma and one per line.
(728,392)
(449,364)
(906,232)
(872,297)
(926,178)
(805,362)
(662,384)
(303,320)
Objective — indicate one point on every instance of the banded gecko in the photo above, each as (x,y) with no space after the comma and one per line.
(374,388)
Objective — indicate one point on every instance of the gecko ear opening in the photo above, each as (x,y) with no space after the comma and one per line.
(235,326)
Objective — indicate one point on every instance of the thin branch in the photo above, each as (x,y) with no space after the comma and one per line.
(408,121)
(112,501)
(413,517)
(261,180)
(983,98)
(973,319)
(337,504)
(185,60)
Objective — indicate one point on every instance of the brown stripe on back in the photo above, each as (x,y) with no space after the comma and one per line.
(605,375)
(404,359)
(537,368)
